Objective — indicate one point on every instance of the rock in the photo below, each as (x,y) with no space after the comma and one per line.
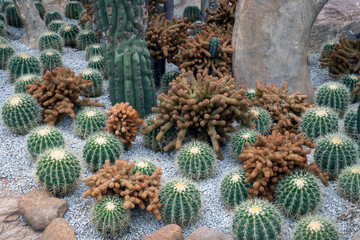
(39,208)
(169,232)
(55,5)
(58,229)
(180,5)
(205,233)
(356,236)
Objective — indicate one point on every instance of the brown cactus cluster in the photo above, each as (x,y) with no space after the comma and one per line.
(59,93)
(274,156)
(224,14)
(152,6)
(86,16)
(123,120)
(119,179)
(204,107)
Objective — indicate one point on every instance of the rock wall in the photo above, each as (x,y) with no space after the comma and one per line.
(180,5)
(55,5)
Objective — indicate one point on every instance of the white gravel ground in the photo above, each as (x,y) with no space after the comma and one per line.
(17,172)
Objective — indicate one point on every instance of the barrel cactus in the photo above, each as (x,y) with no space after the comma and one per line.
(92,51)
(6,52)
(145,166)
(85,39)
(348,183)
(315,228)
(350,81)
(166,79)
(24,80)
(213,46)
(69,33)
(89,121)
(50,40)
(12,17)
(41,9)
(333,95)
(96,77)
(250,93)
(21,64)
(97,63)
(263,120)
(51,16)
(50,59)
(73,9)
(238,141)
(329,45)
(192,13)
(233,189)
(3,29)
(350,123)
(55,25)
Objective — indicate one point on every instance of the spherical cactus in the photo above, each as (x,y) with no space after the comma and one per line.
(318,121)
(333,95)
(24,80)
(334,152)
(73,9)
(6,52)
(50,40)
(12,17)
(109,216)
(3,29)
(87,25)
(256,219)
(99,147)
(350,123)
(350,81)
(166,79)
(51,16)
(41,9)
(89,121)
(3,17)
(93,50)
(250,93)
(55,25)
(50,59)
(233,189)
(213,46)
(21,64)
(327,47)
(20,113)
(298,193)
(97,63)
(3,41)
(85,39)
(58,171)
(192,13)
(96,77)
(145,166)
(315,228)
(181,202)
(196,160)
(348,183)
(263,120)
(238,141)
(43,138)
(197,30)
(69,33)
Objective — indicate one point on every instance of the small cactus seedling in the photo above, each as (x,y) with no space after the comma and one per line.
(145,166)
(192,13)
(69,33)
(213,46)
(333,95)
(85,39)
(50,59)
(55,25)
(96,77)
(12,17)
(97,63)
(238,141)
(21,64)
(51,16)
(263,120)
(50,40)
(348,183)
(92,51)
(6,52)
(73,9)
(250,93)
(233,189)
(350,81)
(327,47)
(89,121)
(24,80)
(315,228)
(166,79)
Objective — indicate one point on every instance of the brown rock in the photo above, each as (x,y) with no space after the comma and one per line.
(169,232)
(58,229)
(39,208)
(205,233)
(356,236)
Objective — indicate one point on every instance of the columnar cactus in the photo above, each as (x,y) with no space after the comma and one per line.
(42,139)
(250,93)
(50,59)
(6,52)
(256,219)
(334,152)
(96,77)
(89,121)
(181,202)
(21,64)
(233,189)
(20,113)
(327,47)
(333,95)
(318,121)
(52,16)
(145,166)
(41,9)
(192,13)
(213,46)
(99,147)
(315,228)
(69,33)
(24,80)
(238,141)
(12,17)
(85,39)
(196,160)
(350,81)
(58,171)
(166,79)
(55,25)
(97,63)
(263,120)
(92,51)
(350,123)
(50,40)
(298,193)
(73,9)
(348,183)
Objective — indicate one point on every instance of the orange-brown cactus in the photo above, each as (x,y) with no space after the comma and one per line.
(152,6)
(86,16)
(224,14)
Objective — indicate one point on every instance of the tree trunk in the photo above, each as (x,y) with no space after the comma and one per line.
(31,19)
(271,41)
(55,5)
(169,9)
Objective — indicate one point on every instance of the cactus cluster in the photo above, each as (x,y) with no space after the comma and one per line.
(55,25)
(333,95)
(96,77)
(315,228)
(85,39)
(192,13)
(350,123)
(233,188)
(73,9)
(24,80)
(92,51)
(145,166)
(238,141)
(52,16)
(350,81)
(50,40)
(166,79)
(97,63)
(50,59)
(263,120)
(69,33)
(21,64)
(6,52)
(12,17)
(348,183)
(89,121)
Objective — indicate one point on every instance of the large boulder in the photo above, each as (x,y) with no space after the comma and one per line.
(169,232)
(58,229)
(205,233)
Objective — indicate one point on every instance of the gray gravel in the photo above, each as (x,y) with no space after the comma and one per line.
(17,173)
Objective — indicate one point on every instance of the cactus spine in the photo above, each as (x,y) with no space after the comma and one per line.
(213,46)
(50,59)
(263,120)
(238,141)
(85,39)
(73,9)
(12,17)
(96,77)
(315,228)
(50,40)
(92,51)
(51,16)
(24,80)
(6,52)
(145,166)
(233,189)
(21,64)
(333,95)
(69,33)
(348,183)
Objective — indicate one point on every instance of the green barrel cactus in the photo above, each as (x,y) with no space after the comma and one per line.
(315,228)
(3,29)
(350,123)
(298,193)
(318,121)
(4,5)
(41,9)
(73,9)
(233,188)
(196,30)
(52,16)
(55,25)
(20,113)
(85,39)
(348,183)
(6,52)
(333,95)
(196,160)
(350,81)
(42,139)
(12,17)
(69,33)
(99,147)
(50,40)
(58,171)
(108,216)
(89,121)
(256,219)
(96,77)
(166,79)
(21,64)
(263,120)
(50,59)
(145,166)
(213,46)
(329,45)
(3,41)
(92,51)
(3,17)
(87,25)
(97,63)
(181,202)
(238,141)
(334,152)
(250,93)
(24,80)
(192,13)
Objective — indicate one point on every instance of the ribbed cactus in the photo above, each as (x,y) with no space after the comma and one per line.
(87,26)
(350,81)
(333,95)
(315,228)
(3,17)
(99,147)
(3,28)
(233,189)
(12,17)
(166,79)
(85,39)
(197,30)
(298,193)
(73,9)
(318,121)
(52,16)
(58,171)
(350,123)
(96,77)
(69,33)
(250,93)
(20,113)
(92,51)
(335,152)
(238,141)
(256,219)
(4,5)
(145,166)
(41,9)
(192,13)
(3,41)
(21,64)
(6,52)
(24,80)
(89,121)
(97,63)
(196,160)
(348,183)
(50,40)
(181,202)
(109,216)
(43,138)
(55,25)
(329,45)
(213,46)
(50,59)
(263,120)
